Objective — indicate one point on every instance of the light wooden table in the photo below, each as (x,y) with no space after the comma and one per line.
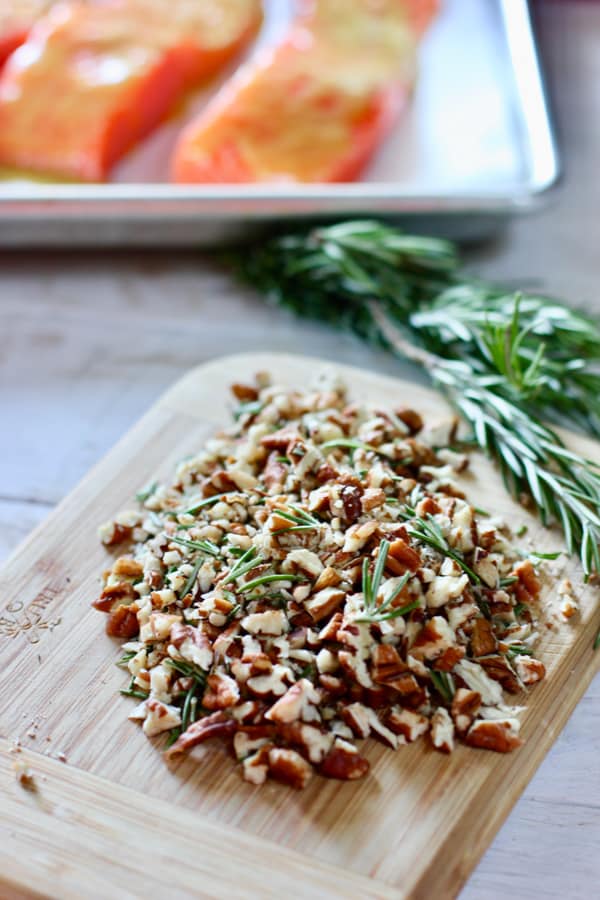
(89,341)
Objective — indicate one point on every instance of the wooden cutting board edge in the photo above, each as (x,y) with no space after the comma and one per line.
(36,824)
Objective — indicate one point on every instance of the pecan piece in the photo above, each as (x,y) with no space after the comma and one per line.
(529,670)
(215,725)
(344,762)
(222,691)
(288,767)
(498,669)
(401,556)
(244,392)
(388,668)
(128,567)
(351,499)
(279,440)
(275,472)
(122,622)
(329,577)
(490,734)
(465,706)
(411,419)
(528,586)
(483,641)
(324,602)
(410,725)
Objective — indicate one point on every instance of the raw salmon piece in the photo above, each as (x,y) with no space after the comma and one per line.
(93,80)
(316,107)
(16,19)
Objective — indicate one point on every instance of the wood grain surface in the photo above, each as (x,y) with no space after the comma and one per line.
(112,816)
(89,340)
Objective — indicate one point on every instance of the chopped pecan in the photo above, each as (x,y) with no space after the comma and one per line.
(329,577)
(279,440)
(324,602)
(117,534)
(274,472)
(406,723)
(498,669)
(448,659)
(123,623)
(288,767)
(402,557)
(465,706)
(244,392)
(330,631)
(293,705)
(351,499)
(411,418)
(216,725)
(433,638)
(529,669)
(128,567)
(344,762)
(442,730)
(256,766)
(493,734)
(528,586)
(483,641)
(222,691)
(387,667)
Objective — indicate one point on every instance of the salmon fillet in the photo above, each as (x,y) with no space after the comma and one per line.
(93,80)
(316,107)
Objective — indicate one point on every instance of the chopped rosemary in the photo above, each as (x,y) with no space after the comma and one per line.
(429,532)
(444,684)
(506,582)
(246,562)
(522,531)
(192,578)
(131,691)
(205,546)
(201,503)
(122,662)
(597,641)
(189,670)
(268,579)
(252,407)
(534,555)
(518,650)
(146,492)
(371,585)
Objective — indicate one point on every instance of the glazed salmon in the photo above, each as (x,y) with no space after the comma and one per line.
(16,20)
(316,107)
(92,80)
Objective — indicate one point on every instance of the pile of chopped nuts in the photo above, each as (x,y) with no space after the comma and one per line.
(314,576)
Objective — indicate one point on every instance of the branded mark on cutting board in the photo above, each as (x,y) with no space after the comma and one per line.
(29,619)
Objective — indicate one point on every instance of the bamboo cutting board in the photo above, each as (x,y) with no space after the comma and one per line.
(107,818)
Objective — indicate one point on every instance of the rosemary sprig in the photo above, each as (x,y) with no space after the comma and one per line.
(427,531)
(199,504)
(246,562)
(146,492)
(444,684)
(371,584)
(507,362)
(301,520)
(205,546)
(192,577)
(267,579)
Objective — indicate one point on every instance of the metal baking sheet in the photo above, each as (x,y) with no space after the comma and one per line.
(475,147)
